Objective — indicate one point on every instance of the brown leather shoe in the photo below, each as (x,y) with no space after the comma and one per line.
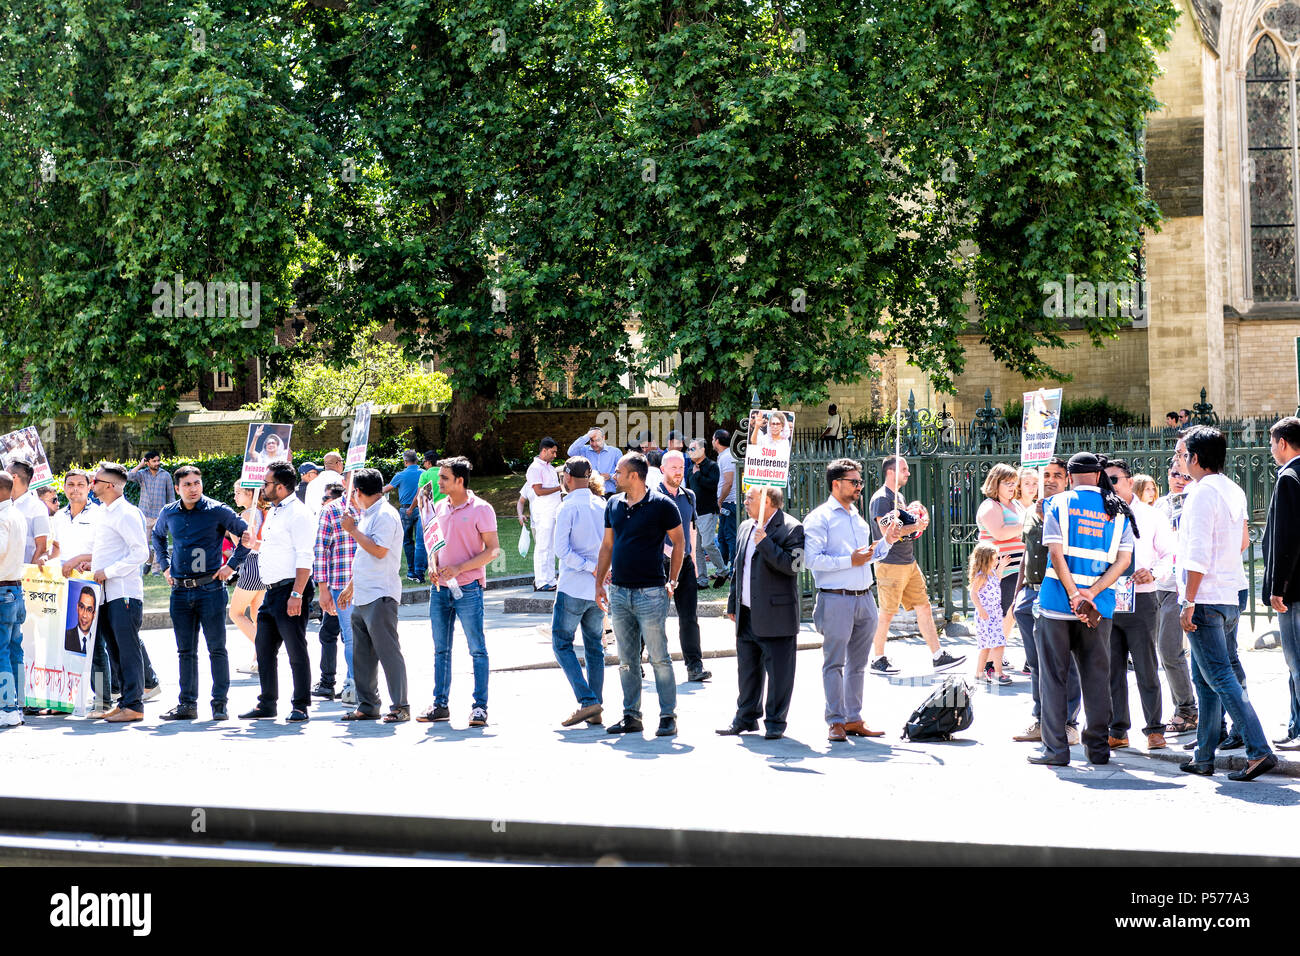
(105,714)
(1032,733)
(121,716)
(837,733)
(1156,742)
(583,713)
(856,728)
(1115,743)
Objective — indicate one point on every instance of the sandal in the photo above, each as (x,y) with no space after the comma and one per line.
(398,715)
(1180,725)
(359,715)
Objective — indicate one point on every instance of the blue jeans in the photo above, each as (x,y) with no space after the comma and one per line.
(1289,626)
(638,616)
(727,532)
(421,555)
(1217,686)
(329,644)
(569,613)
(13,675)
(415,556)
(443,614)
(191,608)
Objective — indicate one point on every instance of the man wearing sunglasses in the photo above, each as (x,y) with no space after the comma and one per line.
(839,553)
(117,555)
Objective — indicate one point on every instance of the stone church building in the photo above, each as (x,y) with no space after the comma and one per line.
(1224,276)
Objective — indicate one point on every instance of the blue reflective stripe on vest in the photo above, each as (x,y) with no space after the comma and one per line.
(1091,546)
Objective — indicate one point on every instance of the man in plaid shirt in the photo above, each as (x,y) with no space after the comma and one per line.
(156,491)
(332,569)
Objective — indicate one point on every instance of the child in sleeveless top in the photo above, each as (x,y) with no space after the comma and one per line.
(986,591)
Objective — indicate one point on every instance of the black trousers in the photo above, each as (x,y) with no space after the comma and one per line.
(1135,635)
(329,646)
(276,627)
(119,623)
(755,659)
(687,599)
(1091,650)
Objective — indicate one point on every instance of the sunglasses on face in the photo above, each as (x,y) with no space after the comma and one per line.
(855,482)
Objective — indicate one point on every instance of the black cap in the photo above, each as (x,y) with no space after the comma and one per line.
(1083,463)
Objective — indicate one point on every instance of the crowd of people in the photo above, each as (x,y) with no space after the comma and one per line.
(1083,557)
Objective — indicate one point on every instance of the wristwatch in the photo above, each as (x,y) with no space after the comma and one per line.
(1187,605)
(295,594)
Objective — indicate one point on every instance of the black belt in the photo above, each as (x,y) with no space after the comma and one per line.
(193,582)
(844,591)
(11,584)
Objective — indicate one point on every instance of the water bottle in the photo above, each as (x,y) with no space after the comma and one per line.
(455,590)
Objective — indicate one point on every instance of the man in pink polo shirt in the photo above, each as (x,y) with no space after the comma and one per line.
(468,525)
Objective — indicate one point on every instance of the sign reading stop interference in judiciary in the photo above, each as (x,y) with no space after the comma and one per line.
(1038,428)
(767,454)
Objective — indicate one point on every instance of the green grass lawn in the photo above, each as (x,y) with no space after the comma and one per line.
(502,491)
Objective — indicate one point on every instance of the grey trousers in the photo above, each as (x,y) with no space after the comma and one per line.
(847,623)
(1173,653)
(1090,648)
(706,546)
(375,643)
(1134,635)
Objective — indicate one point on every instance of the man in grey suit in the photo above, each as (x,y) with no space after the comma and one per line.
(764,604)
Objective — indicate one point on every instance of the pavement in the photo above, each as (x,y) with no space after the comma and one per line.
(976,792)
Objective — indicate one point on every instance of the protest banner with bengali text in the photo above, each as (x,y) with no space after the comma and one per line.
(1038,428)
(268,443)
(59,639)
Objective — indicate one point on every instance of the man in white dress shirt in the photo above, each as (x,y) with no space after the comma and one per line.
(544,504)
(333,472)
(284,564)
(118,552)
(13,532)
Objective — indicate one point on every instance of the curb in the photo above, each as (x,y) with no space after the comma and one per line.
(1286,766)
(526,840)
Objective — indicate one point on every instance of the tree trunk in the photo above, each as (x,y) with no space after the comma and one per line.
(701,397)
(468,415)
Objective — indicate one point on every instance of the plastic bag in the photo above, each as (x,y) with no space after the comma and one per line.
(524,540)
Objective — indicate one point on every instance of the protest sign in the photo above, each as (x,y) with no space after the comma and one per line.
(767,453)
(58,639)
(267,443)
(358,438)
(1042,418)
(25,445)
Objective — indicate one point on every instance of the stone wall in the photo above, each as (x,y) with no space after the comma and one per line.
(115,438)
(1266,357)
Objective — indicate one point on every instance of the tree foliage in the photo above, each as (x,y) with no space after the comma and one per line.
(139,142)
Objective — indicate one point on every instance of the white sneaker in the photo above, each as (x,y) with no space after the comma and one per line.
(349,695)
(152,692)
(11,718)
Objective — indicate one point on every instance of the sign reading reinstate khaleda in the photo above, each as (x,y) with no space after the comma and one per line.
(767,454)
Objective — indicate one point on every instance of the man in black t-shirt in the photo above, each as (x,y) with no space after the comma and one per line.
(636,520)
(899,581)
(703,480)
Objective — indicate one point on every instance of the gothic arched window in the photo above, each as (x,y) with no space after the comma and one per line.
(1271,141)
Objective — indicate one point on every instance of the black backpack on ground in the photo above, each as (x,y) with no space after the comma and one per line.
(946,711)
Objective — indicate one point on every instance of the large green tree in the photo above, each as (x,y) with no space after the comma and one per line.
(476,220)
(140,141)
(835,179)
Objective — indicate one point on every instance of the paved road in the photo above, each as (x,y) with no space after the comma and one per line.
(523,766)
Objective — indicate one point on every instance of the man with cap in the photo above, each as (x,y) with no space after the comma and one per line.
(331,473)
(307,473)
(1089,536)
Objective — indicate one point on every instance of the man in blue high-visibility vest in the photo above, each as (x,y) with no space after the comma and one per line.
(1088,532)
